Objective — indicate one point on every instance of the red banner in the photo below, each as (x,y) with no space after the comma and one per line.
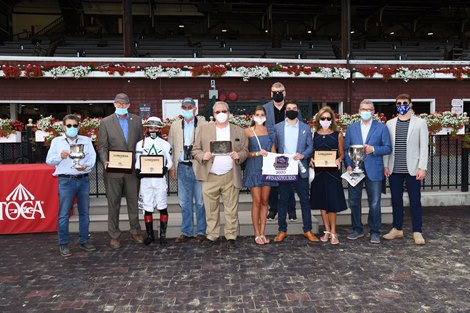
(29,200)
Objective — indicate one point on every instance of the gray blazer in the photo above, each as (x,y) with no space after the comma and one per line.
(111,136)
(417,142)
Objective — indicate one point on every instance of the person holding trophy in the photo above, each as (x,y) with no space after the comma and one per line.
(153,159)
(73,156)
(366,142)
(326,190)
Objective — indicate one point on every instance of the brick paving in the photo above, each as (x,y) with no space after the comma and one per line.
(294,276)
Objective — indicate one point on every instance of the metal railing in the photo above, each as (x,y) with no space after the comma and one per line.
(448,164)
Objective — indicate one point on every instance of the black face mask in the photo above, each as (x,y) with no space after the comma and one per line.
(292,115)
(278,96)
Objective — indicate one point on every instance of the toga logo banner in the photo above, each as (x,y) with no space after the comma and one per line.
(280,168)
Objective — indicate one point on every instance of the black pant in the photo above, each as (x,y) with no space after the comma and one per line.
(274,201)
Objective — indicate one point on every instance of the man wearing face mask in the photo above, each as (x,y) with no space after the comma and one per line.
(220,174)
(121,131)
(153,190)
(295,137)
(275,114)
(375,138)
(408,162)
(181,138)
(73,182)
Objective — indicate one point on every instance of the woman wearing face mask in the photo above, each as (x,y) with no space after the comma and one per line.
(326,190)
(259,144)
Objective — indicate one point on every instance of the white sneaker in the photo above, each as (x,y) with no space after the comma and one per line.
(418,237)
(393,234)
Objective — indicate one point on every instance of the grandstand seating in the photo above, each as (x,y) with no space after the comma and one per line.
(111,46)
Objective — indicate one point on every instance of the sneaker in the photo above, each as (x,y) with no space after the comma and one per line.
(393,234)
(207,243)
(355,235)
(292,216)
(87,247)
(418,237)
(271,215)
(231,244)
(374,238)
(64,250)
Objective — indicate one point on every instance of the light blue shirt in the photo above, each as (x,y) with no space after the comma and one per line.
(65,166)
(365,130)
(188,136)
(291,135)
(124,122)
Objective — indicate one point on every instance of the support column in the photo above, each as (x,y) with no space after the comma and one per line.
(346,47)
(127,27)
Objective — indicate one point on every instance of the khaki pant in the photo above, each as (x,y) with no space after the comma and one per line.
(212,189)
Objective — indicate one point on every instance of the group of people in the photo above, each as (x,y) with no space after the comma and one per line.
(397,150)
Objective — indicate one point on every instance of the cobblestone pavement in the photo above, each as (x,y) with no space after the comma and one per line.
(294,276)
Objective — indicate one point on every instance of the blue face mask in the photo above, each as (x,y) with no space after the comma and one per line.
(403,109)
(187,114)
(365,115)
(71,132)
(121,111)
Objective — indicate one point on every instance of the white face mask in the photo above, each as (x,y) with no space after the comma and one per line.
(325,124)
(221,117)
(259,120)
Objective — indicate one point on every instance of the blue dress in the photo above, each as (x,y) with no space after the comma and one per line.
(253,166)
(326,190)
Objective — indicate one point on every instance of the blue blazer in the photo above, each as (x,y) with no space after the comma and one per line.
(379,138)
(304,142)
(270,120)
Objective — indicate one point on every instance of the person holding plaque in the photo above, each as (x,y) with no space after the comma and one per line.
(408,162)
(220,148)
(73,181)
(259,144)
(375,139)
(326,190)
(153,158)
(181,137)
(295,137)
(119,133)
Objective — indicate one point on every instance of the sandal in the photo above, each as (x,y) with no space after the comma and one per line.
(334,239)
(265,240)
(326,236)
(259,240)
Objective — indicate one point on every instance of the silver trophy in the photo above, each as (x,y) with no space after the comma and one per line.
(76,154)
(357,153)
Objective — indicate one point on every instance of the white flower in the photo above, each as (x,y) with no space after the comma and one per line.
(80,71)
(44,123)
(57,71)
(153,72)
(260,72)
(406,74)
(172,71)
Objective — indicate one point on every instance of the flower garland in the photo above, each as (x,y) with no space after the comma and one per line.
(407,74)
(8,127)
(437,121)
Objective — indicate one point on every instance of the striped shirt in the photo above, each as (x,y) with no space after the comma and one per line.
(401,132)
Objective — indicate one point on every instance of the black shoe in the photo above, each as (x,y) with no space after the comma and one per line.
(271,215)
(87,247)
(292,216)
(64,250)
(207,243)
(231,244)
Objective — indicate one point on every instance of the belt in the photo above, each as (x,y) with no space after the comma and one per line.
(73,176)
(189,163)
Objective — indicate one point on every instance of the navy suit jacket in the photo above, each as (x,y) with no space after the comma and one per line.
(304,142)
(379,138)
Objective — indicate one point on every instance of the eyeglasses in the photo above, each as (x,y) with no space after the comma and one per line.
(223,111)
(72,125)
(325,118)
(403,103)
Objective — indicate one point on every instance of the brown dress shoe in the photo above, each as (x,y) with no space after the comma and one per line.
(182,238)
(137,238)
(280,237)
(200,238)
(310,236)
(115,243)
